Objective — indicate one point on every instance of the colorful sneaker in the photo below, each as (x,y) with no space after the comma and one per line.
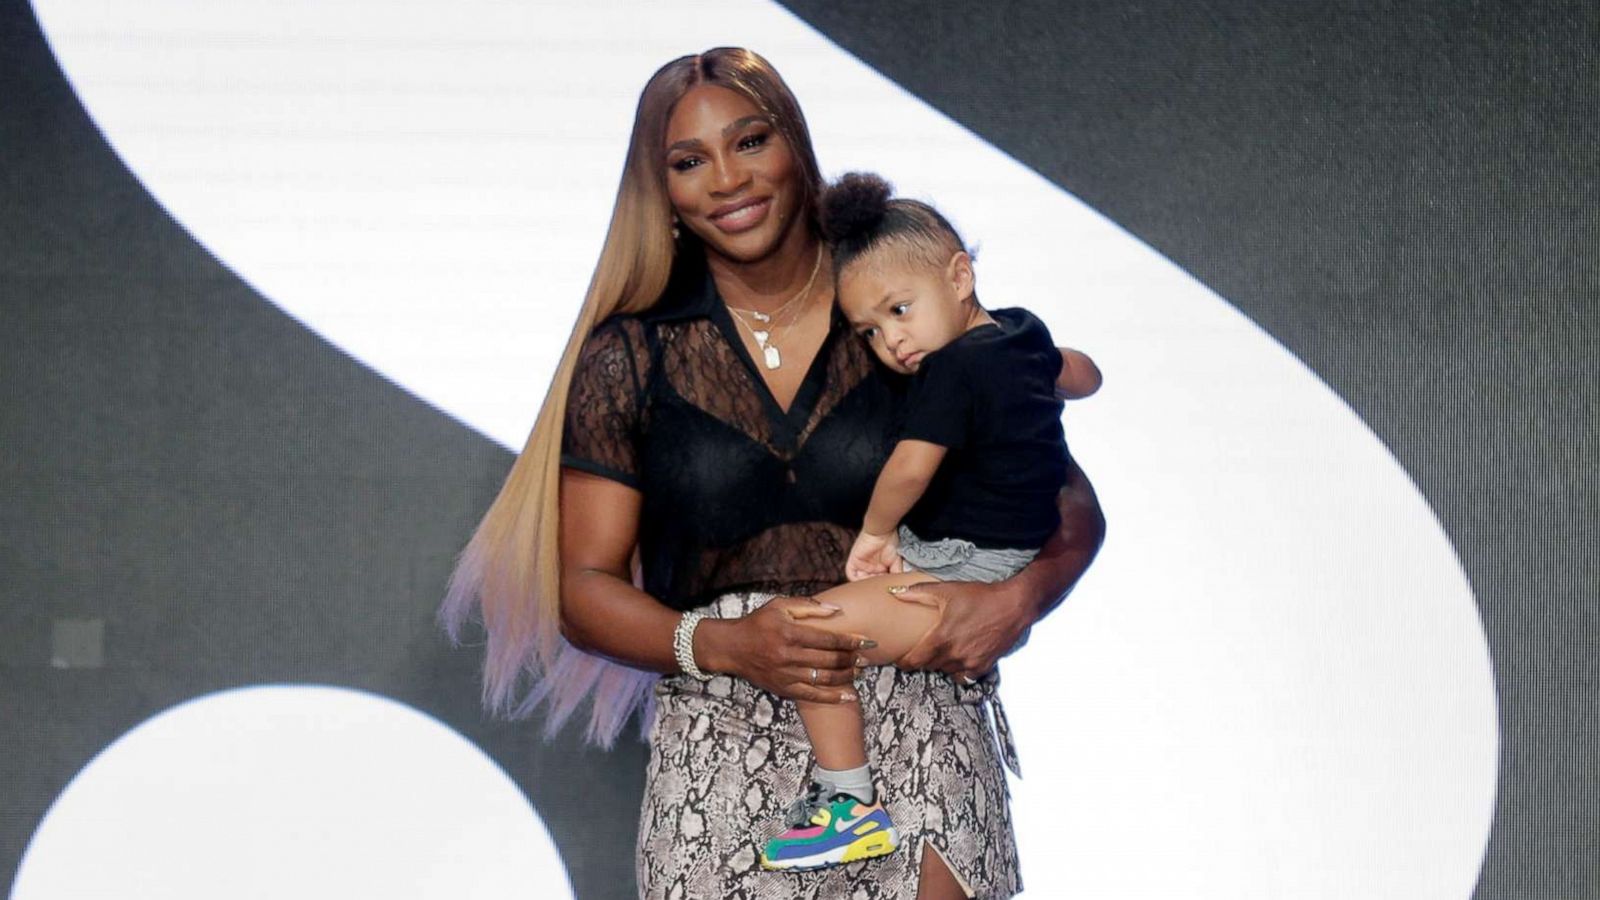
(827,832)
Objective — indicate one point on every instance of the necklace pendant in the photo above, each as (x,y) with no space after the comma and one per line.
(761,337)
(760,316)
(772,357)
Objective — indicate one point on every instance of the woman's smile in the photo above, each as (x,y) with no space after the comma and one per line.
(734,218)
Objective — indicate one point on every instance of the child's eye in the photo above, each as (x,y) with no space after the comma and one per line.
(899,309)
(868,334)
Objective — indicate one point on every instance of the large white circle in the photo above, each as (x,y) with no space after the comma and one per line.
(1273,683)
(291,791)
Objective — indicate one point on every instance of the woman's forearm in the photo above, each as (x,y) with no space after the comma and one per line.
(607,616)
(602,611)
(979,622)
(1068,553)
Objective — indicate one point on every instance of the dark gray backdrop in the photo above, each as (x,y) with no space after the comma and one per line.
(1403,194)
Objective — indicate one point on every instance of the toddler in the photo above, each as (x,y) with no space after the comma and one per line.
(969,492)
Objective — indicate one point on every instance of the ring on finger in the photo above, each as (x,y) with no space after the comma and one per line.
(813,676)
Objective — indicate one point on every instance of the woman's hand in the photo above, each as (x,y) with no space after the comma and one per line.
(776,651)
(978,624)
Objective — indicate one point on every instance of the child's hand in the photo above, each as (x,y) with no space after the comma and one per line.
(873,554)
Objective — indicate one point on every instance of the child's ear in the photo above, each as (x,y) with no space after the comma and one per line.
(959,272)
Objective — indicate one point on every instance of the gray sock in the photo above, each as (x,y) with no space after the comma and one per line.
(856,782)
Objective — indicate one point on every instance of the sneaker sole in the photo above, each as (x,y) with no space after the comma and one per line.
(878,843)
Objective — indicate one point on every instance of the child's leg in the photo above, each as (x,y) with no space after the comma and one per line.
(835,733)
(863,828)
(865,607)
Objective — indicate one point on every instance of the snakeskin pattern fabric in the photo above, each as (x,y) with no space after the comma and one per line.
(726,758)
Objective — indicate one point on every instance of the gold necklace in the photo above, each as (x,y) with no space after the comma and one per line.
(764,340)
(767,317)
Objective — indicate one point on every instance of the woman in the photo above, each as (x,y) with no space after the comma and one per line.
(670,472)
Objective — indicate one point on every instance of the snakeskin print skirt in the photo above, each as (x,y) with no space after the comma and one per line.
(727,758)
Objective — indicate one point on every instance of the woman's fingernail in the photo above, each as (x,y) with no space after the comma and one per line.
(826,605)
(868,644)
(897,590)
(861,661)
(848,697)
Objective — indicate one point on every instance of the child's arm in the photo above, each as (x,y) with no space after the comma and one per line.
(1079,376)
(900,485)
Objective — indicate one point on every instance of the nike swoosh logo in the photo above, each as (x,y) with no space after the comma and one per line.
(841,824)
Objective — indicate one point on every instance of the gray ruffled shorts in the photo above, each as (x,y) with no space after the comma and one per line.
(953,559)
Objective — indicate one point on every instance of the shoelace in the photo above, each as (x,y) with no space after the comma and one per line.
(801,810)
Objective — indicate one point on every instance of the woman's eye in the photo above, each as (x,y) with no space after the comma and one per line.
(752,141)
(684,164)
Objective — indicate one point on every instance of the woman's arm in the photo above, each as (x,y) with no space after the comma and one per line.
(982,622)
(603,613)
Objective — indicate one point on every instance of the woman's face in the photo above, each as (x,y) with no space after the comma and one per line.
(731,177)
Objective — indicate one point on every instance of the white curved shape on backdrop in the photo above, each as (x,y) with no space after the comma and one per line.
(290,791)
(1274,681)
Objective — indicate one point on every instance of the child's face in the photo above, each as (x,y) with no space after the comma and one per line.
(906,309)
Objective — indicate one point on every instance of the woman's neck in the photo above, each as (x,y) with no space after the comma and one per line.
(768,283)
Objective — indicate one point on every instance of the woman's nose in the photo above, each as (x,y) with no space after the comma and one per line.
(730,177)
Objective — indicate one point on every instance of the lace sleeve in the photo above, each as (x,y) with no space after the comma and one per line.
(605,404)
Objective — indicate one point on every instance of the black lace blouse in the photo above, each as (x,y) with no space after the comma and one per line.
(739,495)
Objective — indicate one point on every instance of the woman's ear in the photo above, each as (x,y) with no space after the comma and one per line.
(959,273)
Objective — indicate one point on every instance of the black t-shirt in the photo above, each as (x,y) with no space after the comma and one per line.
(990,397)
(737,493)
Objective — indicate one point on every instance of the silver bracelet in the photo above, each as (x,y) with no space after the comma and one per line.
(683,645)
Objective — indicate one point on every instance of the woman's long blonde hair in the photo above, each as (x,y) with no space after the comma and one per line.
(508,577)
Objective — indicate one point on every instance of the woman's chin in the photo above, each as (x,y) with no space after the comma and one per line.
(749,247)
(743,249)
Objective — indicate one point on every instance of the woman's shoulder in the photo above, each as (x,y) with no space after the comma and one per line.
(618,340)
(619,326)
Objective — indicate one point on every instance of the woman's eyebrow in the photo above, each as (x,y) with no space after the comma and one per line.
(737,124)
(728,129)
